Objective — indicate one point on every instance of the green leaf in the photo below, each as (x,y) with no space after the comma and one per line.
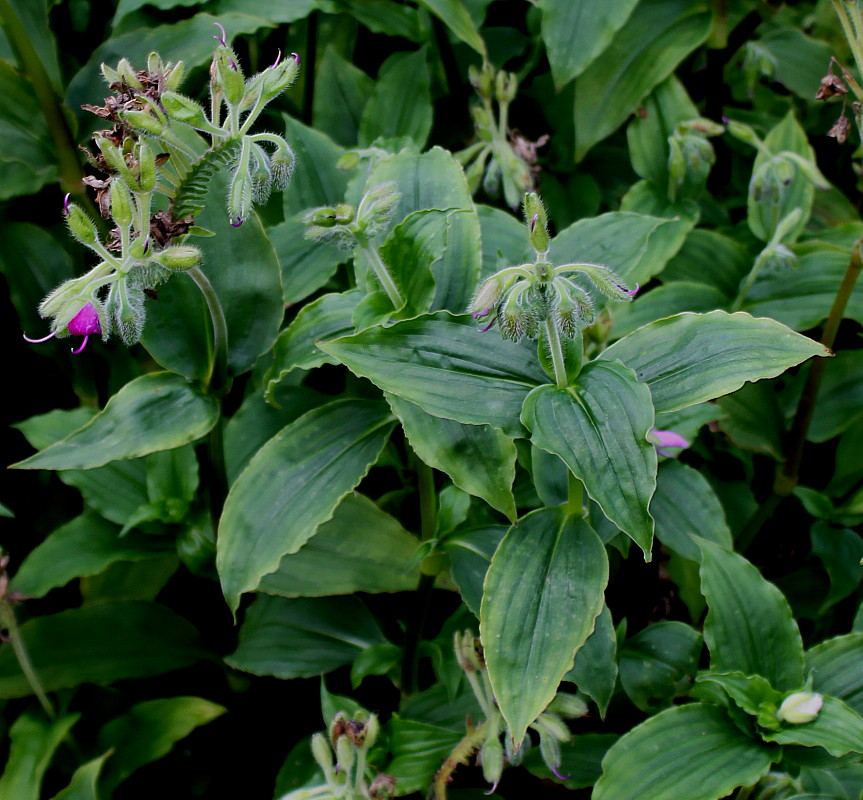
(580,759)
(752,693)
(470,553)
(840,399)
(663,301)
(361,549)
(443,364)
(595,668)
(841,552)
(576,32)
(749,626)
(302,637)
(34,741)
(691,358)
(341,92)
(713,259)
(456,17)
(155,412)
(504,240)
(693,751)
(799,59)
(608,91)
(418,750)
(85,546)
(548,577)
(400,104)
(609,454)
(85,781)
(658,663)
(478,458)
(100,643)
(835,667)
(149,730)
(292,485)
(753,418)
(686,507)
(837,728)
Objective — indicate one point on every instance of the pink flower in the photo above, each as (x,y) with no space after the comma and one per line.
(85,322)
(662,439)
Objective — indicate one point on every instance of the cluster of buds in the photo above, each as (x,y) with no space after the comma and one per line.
(349,226)
(524,300)
(690,156)
(342,755)
(500,157)
(485,739)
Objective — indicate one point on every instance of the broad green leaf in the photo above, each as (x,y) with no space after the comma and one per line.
(752,693)
(635,246)
(835,667)
(281,11)
(418,750)
(85,781)
(633,64)
(292,485)
(690,358)
(34,18)
(841,553)
(548,577)
(470,553)
(456,17)
(607,452)
(361,549)
(478,458)
(126,7)
(711,258)
(664,301)
(840,399)
(400,103)
(837,728)
(693,751)
(580,759)
(799,58)
(149,730)
(435,180)
(302,637)
(749,626)
(801,298)
(85,546)
(576,32)
(316,181)
(328,317)
(595,668)
(658,664)
(382,16)
(446,367)
(754,419)
(100,643)
(130,580)
(33,743)
(159,411)
(685,506)
(341,93)
(504,240)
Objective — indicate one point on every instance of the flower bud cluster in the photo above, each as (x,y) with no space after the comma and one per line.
(690,156)
(523,299)
(349,226)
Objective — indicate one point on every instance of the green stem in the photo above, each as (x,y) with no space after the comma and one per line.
(462,752)
(10,623)
(850,33)
(381,271)
(749,280)
(216,382)
(575,496)
(557,358)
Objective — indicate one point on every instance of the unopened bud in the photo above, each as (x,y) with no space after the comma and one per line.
(228,76)
(127,75)
(492,758)
(537,222)
(373,729)
(174,76)
(348,161)
(81,226)
(743,132)
(277,79)
(568,705)
(505,86)
(800,707)
(142,121)
(179,257)
(121,202)
(344,753)
(146,168)
(322,752)
(184,109)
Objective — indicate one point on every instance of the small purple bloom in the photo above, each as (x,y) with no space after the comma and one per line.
(662,439)
(85,322)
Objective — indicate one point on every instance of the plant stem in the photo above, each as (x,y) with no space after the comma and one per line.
(575,496)
(557,358)
(10,623)
(471,742)
(850,33)
(788,475)
(381,271)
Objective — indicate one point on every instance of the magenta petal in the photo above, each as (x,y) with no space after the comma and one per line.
(634,291)
(38,341)
(85,322)
(83,345)
(669,439)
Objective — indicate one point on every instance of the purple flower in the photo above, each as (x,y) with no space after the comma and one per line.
(85,322)
(663,439)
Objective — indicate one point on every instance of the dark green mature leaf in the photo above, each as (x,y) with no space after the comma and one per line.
(607,452)
(470,554)
(658,663)
(685,506)
(608,91)
(664,301)
(341,93)
(841,553)
(100,643)
(400,103)
(292,485)
(33,743)
(837,728)
(580,759)
(548,577)
(693,751)
(840,400)
(361,549)
(443,365)
(691,358)
(800,59)
(478,458)
(85,546)
(835,667)
(155,412)
(754,419)
(595,667)
(504,240)
(713,259)
(149,730)
(749,626)
(456,17)
(575,32)
(418,750)
(85,781)
(302,637)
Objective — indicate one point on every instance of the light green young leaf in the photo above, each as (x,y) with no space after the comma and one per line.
(456,17)
(85,781)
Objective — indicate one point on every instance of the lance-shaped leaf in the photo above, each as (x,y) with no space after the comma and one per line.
(547,577)
(837,728)
(693,751)
(598,427)
(85,782)
(292,485)
(595,667)
(155,412)
(479,459)
(441,363)
(455,16)
(749,626)
(835,667)
(690,358)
